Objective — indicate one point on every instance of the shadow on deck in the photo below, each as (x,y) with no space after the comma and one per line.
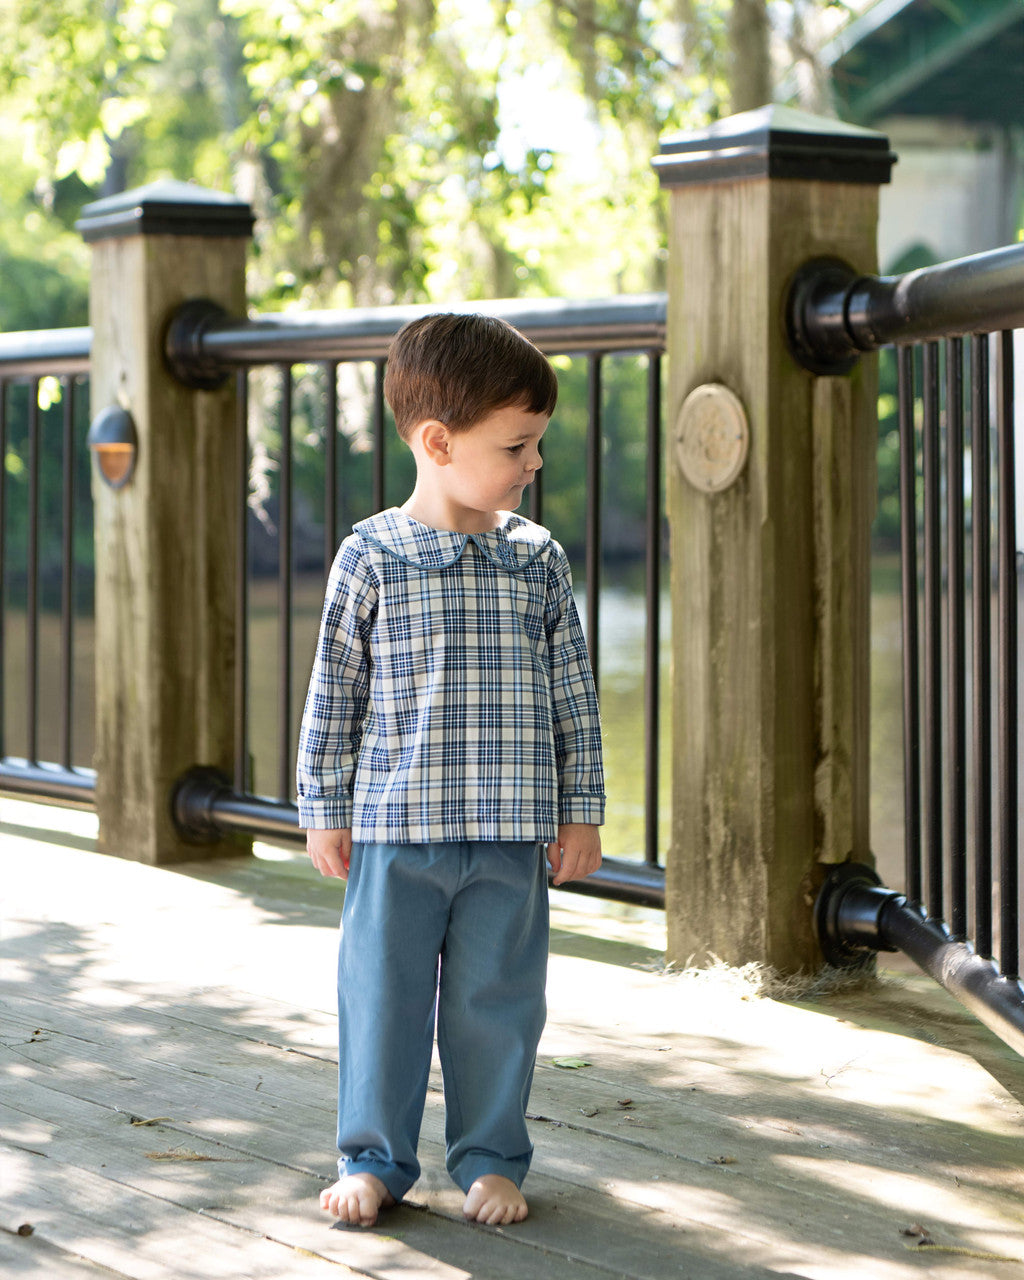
(168,1099)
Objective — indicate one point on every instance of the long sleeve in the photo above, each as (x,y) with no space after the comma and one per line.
(336,703)
(575,714)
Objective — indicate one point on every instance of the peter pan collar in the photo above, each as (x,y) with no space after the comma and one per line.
(516,543)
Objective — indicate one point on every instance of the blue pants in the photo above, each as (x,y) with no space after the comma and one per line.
(460,929)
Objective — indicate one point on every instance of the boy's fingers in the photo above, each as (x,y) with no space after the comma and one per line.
(570,861)
(563,871)
(559,865)
(326,864)
(338,867)
(576,864)
(578,867)
(568,866)
(330,856)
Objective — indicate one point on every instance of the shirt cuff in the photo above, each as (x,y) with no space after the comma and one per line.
(588,809)
(325,813)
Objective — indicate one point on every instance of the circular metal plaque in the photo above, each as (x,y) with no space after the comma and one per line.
(712,438)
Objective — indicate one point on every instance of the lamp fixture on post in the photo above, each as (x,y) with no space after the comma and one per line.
(113,440)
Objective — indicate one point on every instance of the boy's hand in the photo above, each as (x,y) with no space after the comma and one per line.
(576,852)
(330,851)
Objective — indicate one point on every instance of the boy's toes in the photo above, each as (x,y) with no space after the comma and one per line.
(494,1201)
(356,1199)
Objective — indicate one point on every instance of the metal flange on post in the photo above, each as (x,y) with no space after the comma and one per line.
(847,915)
(183,345)
(192,804)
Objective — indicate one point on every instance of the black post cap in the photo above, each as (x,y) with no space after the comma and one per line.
(775,142)
(166,207)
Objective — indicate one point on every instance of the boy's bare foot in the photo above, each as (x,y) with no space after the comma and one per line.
(494,1200)
(356,1199)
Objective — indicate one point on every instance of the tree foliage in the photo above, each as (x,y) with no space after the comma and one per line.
(393,149)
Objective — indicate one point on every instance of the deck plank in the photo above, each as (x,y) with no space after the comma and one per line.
(669,1117)
(760,1139)
(669,1110)
(257,1196)
(138,1234)
(237,1169)
(259,1107)
(35,1258)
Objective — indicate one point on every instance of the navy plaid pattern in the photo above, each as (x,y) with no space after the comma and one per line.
(451,696)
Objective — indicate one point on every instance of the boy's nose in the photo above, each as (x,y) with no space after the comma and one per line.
(535,463)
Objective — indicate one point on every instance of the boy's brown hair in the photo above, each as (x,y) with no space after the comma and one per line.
(460,368)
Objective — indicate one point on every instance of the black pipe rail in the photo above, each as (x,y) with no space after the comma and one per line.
(856,916)
(52,782)
(835,313)
(206,806)
(45,352)
(204,345)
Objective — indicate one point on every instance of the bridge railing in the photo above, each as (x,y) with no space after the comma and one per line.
(45,711)
(952,326)
(770,484)
(205,347)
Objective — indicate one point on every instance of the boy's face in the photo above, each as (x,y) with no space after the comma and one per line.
(490,464)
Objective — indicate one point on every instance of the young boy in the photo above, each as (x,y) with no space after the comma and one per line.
(450,739)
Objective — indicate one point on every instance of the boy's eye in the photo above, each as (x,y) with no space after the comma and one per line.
(516,448)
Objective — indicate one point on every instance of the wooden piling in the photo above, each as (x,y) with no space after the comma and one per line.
(770,556)
(167,548)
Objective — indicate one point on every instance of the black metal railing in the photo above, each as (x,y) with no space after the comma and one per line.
(205,346)
(959,915)
(46,720)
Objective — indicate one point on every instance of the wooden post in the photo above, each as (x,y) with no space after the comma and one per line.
(166,545)
(770,550)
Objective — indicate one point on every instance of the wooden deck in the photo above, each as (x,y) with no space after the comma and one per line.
(168,1093)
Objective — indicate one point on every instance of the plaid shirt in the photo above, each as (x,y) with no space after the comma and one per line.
(451,696)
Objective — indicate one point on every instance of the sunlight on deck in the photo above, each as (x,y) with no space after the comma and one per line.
(713,1131)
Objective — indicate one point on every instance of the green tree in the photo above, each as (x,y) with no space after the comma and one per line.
(406,150)
(399,150)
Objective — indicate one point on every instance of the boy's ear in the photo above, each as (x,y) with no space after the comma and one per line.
(436,441)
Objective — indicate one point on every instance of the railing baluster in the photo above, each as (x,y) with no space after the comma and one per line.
(32,573)
(1008,678)
(981,572)
(67,597)
(3,579)
(911,642)
(536,499)
(330,466)
(284,652)
(652,583)
(956,763)
(593,520)
(932,634)
(242,779)
(379,444)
